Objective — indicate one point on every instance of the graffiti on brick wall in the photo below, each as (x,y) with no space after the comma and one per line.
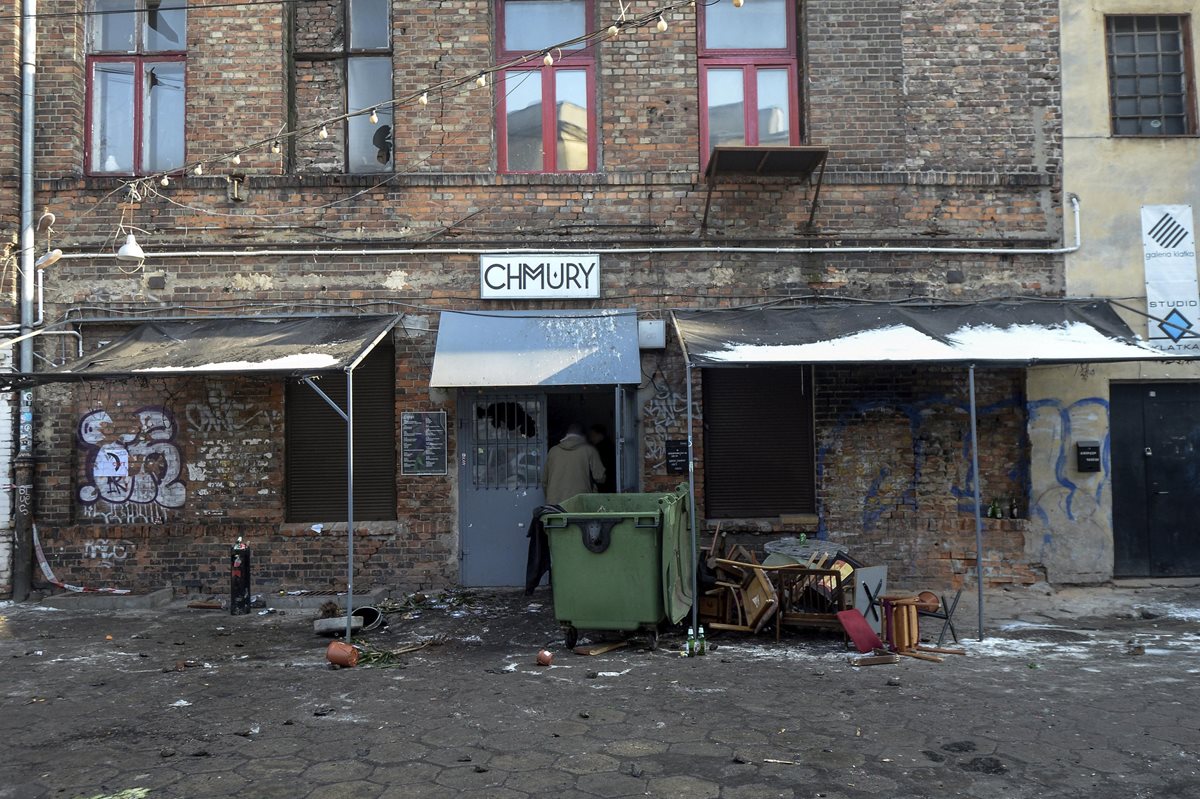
(665,418)
(897,483)
(221,413)
(133,469)
(108,552)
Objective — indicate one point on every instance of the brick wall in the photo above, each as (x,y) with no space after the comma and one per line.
(942,120)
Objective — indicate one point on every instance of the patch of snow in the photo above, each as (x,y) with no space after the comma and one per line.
(1180,612)
(180,703)
(1072,341)
(613,673)
(780,652)
(894,343)
(300,360)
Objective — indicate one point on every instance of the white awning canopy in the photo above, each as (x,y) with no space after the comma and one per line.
(536,348)
(1002,333)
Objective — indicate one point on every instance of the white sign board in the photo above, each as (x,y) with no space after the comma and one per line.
(539,277)
(1172,297)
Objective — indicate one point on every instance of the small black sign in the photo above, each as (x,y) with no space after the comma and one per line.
(677,457)
(423,442)
(1087,456)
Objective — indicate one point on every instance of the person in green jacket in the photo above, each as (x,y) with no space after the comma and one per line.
(573,466)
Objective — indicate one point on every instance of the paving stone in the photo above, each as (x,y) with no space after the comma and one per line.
(611,785)
(680,787)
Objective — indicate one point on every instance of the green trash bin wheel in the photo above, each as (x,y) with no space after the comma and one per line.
(570,636)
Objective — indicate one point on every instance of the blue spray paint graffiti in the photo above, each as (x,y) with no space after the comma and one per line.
(1062,415)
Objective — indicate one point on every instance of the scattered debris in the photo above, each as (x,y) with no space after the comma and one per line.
(780,762)
(545,657)
(875,660)
(375,656)
(324,710)
(600,649)
(181,703)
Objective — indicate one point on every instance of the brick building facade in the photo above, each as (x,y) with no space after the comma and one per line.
(943,127)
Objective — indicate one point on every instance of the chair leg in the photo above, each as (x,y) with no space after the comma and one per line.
(948,624)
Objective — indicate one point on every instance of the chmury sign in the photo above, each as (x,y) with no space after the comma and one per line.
(539,277)
(1172,296)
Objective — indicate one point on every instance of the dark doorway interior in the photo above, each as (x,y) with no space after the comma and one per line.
(1156,479)
(587,407)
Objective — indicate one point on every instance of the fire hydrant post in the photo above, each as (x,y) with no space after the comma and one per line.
(239,579)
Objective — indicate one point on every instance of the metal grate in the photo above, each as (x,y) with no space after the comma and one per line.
(1148,76)
(509,441)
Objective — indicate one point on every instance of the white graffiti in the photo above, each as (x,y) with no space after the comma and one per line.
(664,418)
(221,414)
(139,465)
(108,550)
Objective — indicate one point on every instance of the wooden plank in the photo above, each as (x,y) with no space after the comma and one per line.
(600,649)
(941,650)
(875,660)
(910,653)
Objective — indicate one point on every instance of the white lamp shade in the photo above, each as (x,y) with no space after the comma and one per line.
(131,250)
(48,258)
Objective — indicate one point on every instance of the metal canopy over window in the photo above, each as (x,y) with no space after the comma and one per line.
(246,346)
(536,348)
(735,163)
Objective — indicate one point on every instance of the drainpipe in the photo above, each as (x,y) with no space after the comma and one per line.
(23,468)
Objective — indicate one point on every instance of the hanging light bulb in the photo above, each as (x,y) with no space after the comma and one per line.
(275,147)
(424,98)
(323,133)
(165,181)
(548,60)
(481,81)
(613,30)
(199,170)
(662,24)
(237,159)
(738,3)
(374,117)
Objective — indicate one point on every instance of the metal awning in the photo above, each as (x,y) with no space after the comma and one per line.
(998,333)
(734,163)
(296,347)
(536,348)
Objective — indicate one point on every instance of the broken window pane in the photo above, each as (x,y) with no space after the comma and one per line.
(537,24)
(112,27)
(774,107)
(369,83)
(166,26)
(726,108)
(758,25)
(162,116)
(571,111)
(523,104)
(112,128)
(370,28)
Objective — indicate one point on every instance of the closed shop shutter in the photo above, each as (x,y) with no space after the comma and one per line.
(759,458)
(316,445)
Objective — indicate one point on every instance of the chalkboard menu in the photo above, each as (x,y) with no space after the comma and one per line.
(423,442)
(677,457)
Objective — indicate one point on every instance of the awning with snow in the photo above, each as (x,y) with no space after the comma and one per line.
(295,347)
(1012,333)
(536,348)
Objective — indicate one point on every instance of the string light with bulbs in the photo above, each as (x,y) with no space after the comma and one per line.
(656,18)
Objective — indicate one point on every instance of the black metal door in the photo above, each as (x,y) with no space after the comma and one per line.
(1156,479)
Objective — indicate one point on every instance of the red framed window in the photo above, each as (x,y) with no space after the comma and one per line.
(137,78)
(749,83)
(546,115)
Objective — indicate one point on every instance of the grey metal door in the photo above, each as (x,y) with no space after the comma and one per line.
(1156,479)
(626,440)
(502,440)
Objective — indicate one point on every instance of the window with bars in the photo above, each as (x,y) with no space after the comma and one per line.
(136,74)
(547,120)
(748,75)
(342,62)
(1150,87)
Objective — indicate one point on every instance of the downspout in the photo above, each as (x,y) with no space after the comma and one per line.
(23,468)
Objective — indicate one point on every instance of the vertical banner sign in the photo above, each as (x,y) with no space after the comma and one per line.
(1172,297)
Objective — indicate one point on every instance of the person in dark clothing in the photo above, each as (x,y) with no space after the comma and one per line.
(598,438)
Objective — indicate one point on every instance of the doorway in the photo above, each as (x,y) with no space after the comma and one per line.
(1156,479)
(503,440)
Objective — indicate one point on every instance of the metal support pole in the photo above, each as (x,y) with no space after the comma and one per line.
(692,504)
(978,500)
(349,500)
(22,581)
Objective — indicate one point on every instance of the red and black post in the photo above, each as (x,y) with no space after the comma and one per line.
(239,579)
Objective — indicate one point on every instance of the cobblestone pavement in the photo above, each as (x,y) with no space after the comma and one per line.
(1055,704)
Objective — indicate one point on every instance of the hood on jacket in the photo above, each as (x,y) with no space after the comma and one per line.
(572,441)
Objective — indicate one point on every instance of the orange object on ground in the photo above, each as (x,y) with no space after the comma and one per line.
(340,653)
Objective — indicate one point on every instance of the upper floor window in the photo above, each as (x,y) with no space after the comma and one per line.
(1149,76)
(547,121)
(136,74)
(748,75)
(343,63)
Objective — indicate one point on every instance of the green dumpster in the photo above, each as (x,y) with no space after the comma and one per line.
(619,562)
